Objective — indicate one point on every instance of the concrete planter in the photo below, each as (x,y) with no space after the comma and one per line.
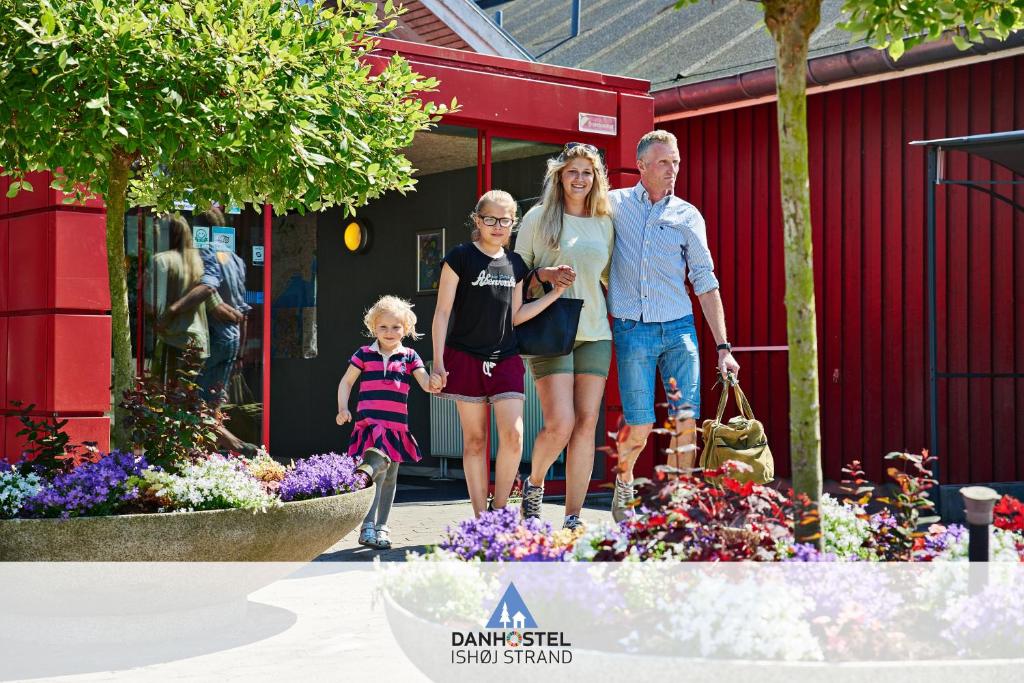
(428,645)
(294,532)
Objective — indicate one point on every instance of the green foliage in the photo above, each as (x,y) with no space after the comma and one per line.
(44,439)
(47,446)
(899,25)
(171,421)
(220,100)
(908,505)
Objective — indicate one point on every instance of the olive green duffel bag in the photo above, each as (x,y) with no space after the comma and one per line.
(742,438)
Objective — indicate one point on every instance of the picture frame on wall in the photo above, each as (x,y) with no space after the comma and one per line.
(429,252)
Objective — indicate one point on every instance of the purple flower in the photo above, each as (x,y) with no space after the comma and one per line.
(91,489)
(503,535)
(939,539)
(805,552)
(319,475)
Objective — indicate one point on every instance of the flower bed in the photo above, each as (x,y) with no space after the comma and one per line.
(693,518)
(124,483)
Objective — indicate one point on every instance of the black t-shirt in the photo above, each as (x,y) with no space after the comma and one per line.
(482,313)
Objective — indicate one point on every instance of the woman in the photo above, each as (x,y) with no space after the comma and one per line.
(569,236)
(171,275)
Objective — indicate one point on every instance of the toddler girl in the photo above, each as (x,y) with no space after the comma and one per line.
(382,413)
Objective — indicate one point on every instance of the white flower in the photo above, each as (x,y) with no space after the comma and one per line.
(15,489)
(747,619)
(1002,545)
(843,529)
(212,484)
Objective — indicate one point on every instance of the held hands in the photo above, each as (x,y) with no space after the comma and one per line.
(343,417)
(438,378)
(228,314)
(559,277)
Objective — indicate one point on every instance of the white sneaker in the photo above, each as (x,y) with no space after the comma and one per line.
(368,535)
(383,537)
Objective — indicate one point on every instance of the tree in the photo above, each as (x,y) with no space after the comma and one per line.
(893,24)
(230,101)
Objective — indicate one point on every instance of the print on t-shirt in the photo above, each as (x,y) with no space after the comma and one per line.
(485,279)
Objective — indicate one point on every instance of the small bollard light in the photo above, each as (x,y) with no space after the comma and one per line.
(978,504)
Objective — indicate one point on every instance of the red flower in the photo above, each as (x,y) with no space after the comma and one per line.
(1009,514)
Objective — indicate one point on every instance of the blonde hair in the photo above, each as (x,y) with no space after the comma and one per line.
(400,308)
(181,242)
(494,197)
(655,136)
(552,201)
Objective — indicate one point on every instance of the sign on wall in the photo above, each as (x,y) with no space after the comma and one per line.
(200,236)
(224,235)
(598,123)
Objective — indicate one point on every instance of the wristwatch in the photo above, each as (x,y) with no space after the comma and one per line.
(725,347)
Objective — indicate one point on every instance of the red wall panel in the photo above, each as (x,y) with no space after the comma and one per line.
(4,263)
(59,363)
(3,363)
(42,195)
(868,201)
(57,259)
(78,429)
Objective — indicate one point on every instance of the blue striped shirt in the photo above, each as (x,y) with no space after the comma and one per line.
(657,247)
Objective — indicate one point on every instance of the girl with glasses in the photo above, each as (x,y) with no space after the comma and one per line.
(476,362)
(568,236)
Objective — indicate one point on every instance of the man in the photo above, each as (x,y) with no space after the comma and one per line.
(225,333)
(660,242)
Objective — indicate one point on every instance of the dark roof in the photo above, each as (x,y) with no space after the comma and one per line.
(1005,148)
(649,39)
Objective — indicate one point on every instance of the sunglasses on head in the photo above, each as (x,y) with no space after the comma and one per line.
(569,146)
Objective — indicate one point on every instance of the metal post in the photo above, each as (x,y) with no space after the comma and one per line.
(979,502)
(499,18)
(140,295)
(933,391)
(267,326)
(576,11)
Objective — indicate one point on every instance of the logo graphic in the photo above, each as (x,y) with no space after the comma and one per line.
(511,612)
(511,637)
(200,235)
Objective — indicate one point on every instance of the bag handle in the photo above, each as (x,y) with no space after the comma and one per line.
(533,274)
(742,402)
(741,399)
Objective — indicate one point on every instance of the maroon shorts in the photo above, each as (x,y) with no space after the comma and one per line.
(476,381)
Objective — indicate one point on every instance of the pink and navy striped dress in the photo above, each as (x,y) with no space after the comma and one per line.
(382,414)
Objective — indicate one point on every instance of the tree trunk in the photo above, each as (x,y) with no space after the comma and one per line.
(791,23)
(124,372)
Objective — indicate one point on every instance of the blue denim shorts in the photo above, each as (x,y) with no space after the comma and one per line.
(641,348)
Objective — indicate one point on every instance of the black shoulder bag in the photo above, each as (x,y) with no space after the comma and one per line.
(552,332)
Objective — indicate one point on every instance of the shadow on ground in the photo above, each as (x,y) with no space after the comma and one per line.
(364,554)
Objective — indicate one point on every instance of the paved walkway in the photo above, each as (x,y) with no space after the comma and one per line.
(416,525)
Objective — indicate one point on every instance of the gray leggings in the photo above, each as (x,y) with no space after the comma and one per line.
(386,484)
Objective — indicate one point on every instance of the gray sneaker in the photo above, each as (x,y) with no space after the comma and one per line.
(533,498)
(621,499)
(572,522)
